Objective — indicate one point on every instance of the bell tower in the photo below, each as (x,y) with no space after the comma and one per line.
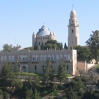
(73,30)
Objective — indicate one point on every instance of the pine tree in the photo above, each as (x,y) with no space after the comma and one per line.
(62,74)
(71,94)
(48,72)
(35,46)
(65,46)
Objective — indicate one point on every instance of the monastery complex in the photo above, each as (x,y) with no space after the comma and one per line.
(34,61)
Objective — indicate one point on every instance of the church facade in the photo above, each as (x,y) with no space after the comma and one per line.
(34,61)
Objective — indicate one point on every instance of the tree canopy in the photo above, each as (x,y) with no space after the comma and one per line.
(52,44)
(83,53)
(93,44)
(7,47)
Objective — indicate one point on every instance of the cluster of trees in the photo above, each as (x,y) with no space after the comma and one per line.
(91,50)
(7,47)
(83,53)
(93,45)
(51,44)
(31,87)
(46,85)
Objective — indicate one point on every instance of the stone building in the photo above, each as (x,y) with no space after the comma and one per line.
(42,36)
(34,61)
(73,30)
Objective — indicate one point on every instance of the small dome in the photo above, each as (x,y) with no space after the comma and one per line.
(43,31)
(73,13)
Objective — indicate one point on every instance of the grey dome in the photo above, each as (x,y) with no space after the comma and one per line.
(43,31)
(73,13)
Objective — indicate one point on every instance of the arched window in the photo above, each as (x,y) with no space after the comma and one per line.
(35,67)
(43,67)
(23,68)
(72,31)
(39,43)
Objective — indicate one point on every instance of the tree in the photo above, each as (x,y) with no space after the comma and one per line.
(62,74)
(61,46)
(53,44)
(35,46)
(83,53)
(1,94)
(71,94)
(7,47)
(29,48)
(29,94)
(93,44)
(8,77)
(65,46)
(36,94)
(48,72)
(6,95)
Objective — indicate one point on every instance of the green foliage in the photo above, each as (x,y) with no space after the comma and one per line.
(35,46)
(53,44)
(7,47)
(36,94)
(6,95)
(65,46)
(1,94)
(29,94)
(37,80)
(48,72)
(26,74)
(32,95)
(8,78)
(54,86)
(96,95)
(97,67)
(29,48)
(7,75)
(93,44)
(78,84)
(62,74)
(54,93)
(83,53)
(71,94)
(18,84)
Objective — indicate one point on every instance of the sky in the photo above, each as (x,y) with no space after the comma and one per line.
(20,18)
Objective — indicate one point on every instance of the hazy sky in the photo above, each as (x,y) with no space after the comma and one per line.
(20,18)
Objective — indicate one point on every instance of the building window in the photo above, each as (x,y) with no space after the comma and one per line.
(43,67)
(33,58)
(35,67)
(72,31)
(67,67)
(1,58)
(39,43)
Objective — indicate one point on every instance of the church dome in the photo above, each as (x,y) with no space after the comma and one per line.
(43,31)
(73,13)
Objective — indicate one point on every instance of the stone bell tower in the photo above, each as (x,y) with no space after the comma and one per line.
(73,30)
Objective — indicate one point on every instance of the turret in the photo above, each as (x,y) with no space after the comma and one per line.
(73,30)
(33,39)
